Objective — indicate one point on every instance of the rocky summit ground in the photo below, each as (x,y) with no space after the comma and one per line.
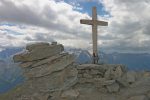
(51,74)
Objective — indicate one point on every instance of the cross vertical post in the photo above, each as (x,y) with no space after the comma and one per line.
(94,22)
(94,36)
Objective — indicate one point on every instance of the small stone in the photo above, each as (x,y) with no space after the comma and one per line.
(39,96)
(80,75)
(85,80)
(100,80)
(79,71)
(113,87)
(87,71)
(109,97)
(146,74)
(26,64)
(123,81)
(148,94)
(97,76)
(98,85)
(85,75)
(54,43)
(109,82)
(102,89)
(140,97)
(107,74)
(118,72)
(104,82)
(94,72)
(70,94)
(30,47)
(131,77)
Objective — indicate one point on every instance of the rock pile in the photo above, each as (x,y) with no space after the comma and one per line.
(47,69)
(101,76)
(112,82)
(52,75)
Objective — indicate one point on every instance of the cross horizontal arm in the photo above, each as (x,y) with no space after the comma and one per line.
(85,21)
(92,22)
(102,23)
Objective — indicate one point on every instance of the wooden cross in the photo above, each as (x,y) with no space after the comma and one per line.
(94,22)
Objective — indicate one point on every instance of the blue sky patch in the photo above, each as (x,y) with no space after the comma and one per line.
(87,7)
(12,32)
(7,24)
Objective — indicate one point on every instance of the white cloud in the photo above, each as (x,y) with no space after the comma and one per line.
(48,20)
(130,24)
(41,20)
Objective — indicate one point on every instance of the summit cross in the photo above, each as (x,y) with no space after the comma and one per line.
(94,22)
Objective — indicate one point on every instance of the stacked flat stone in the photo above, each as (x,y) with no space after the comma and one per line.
(47,69)
(42,59)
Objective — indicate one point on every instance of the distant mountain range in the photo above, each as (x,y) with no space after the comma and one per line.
(133,61)
(136,61)
(8,52)
(11,74)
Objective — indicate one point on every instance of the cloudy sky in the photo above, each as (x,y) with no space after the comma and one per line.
(26,21)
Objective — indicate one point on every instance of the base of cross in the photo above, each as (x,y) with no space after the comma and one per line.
(95,58)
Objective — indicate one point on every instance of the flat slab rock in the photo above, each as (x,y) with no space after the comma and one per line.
(113,88)
(50,67)
(38,53)
(41,62)
(70,94)
(140,97)
(31,47)
(95,66)
(61,80)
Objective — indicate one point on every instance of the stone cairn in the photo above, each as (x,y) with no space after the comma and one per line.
(47,69)
(52,75)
